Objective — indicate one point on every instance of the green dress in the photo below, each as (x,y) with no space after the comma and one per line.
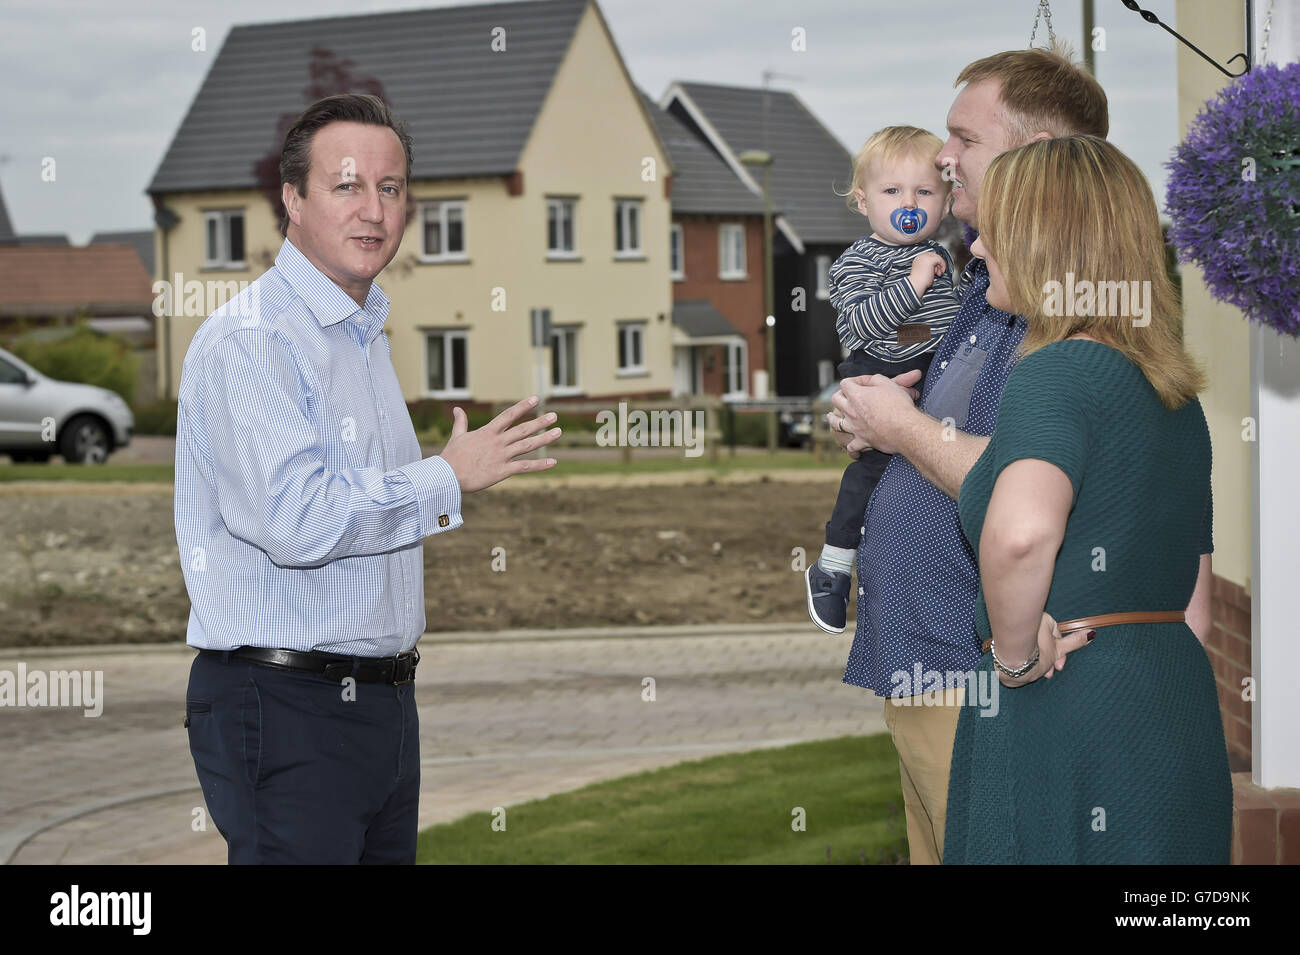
(1119,757)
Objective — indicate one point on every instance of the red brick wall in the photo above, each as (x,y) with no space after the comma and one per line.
(741,303)
(1229,649)
(1265,822)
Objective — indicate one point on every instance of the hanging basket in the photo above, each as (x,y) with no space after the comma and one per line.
(1234,196)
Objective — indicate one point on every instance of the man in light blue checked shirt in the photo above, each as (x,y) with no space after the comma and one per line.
(302,503)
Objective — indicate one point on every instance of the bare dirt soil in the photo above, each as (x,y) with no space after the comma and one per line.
(99,563)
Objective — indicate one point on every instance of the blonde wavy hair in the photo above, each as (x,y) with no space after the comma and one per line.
(1075,209)
(886,147)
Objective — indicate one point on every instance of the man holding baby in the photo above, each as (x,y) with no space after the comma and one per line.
(972,543)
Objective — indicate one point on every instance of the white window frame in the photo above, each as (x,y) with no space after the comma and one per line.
(677,252)
(559,332)
(823,266)
(563,205)
(623,215)
(442,207)
(634,331)
(448,334)
(222,260)
(737,270)
(737,353)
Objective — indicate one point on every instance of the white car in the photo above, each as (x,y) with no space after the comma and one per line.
(40,416)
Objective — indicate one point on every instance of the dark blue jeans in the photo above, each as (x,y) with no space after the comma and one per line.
(844,529)
(294,773)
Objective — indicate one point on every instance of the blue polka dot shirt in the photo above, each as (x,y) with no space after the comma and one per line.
(917,575)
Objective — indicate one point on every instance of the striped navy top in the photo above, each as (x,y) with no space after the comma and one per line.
(871,294)
(302,502)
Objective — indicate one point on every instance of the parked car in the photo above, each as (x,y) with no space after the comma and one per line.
(797,425)
(40,416)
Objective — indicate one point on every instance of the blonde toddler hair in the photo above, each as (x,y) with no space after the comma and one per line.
(888,146)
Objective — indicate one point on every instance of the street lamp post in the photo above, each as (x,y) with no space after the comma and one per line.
(758,157)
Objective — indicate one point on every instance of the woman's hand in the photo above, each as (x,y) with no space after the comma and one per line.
(835,422)
(1052,650)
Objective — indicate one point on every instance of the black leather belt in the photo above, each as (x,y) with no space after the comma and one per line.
(398,670)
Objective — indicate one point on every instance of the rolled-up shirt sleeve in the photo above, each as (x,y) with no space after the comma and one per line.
(272,484)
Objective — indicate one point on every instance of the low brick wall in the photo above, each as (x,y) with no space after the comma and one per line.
(1265,824)
(1229,650)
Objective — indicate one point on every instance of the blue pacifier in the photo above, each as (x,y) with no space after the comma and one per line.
(908,221)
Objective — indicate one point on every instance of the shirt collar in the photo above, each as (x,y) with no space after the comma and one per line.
(324,298)
(975,280)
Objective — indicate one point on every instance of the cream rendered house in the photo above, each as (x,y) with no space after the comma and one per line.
(542,192)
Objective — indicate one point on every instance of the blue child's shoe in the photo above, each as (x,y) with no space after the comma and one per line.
(828,597)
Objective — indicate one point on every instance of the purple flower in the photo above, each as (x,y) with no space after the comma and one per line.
(1234,195)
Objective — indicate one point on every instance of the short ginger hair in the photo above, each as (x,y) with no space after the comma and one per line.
(1043,90)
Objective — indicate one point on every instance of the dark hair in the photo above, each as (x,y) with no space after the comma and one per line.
(295,157)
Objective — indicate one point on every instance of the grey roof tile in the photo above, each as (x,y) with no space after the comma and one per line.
(699,319)
(809,163)
(469,109)
(142,241)
(703,183)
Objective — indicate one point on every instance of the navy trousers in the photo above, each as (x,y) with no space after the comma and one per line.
(294,773)
(844,529)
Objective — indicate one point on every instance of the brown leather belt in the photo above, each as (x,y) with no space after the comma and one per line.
(1111,620)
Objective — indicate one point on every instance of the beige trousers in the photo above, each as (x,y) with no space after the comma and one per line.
(923,736)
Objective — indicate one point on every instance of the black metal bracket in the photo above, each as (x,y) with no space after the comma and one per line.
(1246,57)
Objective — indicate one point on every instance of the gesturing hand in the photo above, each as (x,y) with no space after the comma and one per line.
(487,455)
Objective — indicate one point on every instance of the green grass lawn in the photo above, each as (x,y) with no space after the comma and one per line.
(611,464)
(727,809)
(58,471)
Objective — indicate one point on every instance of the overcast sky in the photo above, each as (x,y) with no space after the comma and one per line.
(102,85)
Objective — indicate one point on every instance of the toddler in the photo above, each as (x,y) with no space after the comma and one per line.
(894,297)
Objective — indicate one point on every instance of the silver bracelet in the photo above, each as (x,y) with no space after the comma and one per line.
(1018,671)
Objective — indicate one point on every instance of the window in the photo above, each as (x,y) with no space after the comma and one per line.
(677,253)
(731,256)
(627,228)
(559,229)
(11,374)
(631,347)
(446,364)
(734,377)
(564,359)
(823,276)
(224,245)
(443,231)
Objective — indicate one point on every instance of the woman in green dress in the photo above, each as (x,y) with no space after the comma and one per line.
(1092,497)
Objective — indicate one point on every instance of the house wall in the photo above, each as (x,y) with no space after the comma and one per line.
(178,260)
(1219,336)
(1217,333)
(740,301)
(590,140)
